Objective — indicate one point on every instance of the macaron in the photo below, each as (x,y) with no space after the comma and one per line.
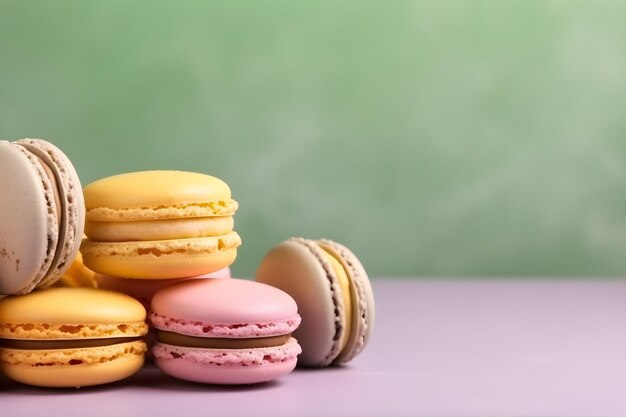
(42,215)
(224,331)
(78,275)
(159,225)
(71,337)
(333,294)
(144,289)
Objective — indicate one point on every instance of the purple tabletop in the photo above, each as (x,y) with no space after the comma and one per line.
(440,348)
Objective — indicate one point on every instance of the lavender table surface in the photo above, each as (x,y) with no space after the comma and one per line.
(440,348)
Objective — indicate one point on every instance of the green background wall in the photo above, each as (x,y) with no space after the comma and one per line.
(446,138)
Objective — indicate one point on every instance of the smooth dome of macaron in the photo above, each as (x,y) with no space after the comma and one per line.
(71,337)
(224,331)
(42,212)
(333,294)
(159,225)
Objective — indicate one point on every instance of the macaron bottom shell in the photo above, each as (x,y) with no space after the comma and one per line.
(74,375)
(227,366)
(150,266)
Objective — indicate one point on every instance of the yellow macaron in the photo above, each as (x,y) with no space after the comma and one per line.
(78,275)
(71,337)
(159,225)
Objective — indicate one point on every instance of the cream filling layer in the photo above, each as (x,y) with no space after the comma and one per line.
(176,339)
(158,248)
(344,284)
(126,231)
(64,344)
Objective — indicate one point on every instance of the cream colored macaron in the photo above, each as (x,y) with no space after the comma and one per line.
(42,215)
(333,293)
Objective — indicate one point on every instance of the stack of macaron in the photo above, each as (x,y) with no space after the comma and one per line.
(55,337)
(158,245)
(146,232)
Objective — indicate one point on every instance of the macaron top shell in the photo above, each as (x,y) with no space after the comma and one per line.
(157,195)
(70,306)
(224,308)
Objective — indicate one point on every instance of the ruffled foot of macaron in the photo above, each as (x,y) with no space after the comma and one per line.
(333,293)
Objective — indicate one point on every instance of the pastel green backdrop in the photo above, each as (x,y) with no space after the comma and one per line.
(434,138)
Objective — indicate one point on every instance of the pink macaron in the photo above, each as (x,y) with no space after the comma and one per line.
(220,331)
(144,289)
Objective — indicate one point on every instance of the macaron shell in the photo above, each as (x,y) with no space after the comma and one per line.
(364,313)
(298,267)
(72,205)
(214,374)
(159,229)
(144,289)
(164,259)
(227,366)
(222,273)
(157,195)
(29,227)
(69,306)
(79,375)
(210,308)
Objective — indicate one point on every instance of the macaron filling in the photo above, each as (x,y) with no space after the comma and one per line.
(64,344)
(177,339)
(54,247)
(122,231)
(344,284)
(57,264)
